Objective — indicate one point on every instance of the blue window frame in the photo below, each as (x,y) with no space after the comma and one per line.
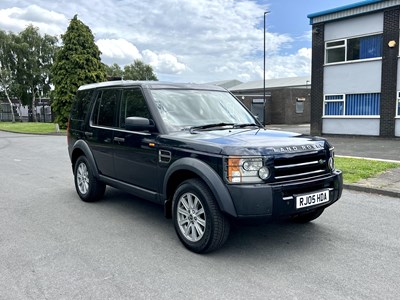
(352,105)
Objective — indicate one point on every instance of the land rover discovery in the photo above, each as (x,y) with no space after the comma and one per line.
(198,151)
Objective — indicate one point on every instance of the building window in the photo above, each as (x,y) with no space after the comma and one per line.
(352,105)
(364,47)
(334,105)
(398,104)
(335,51)
(300,105)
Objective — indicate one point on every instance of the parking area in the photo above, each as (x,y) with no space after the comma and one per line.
(55,246)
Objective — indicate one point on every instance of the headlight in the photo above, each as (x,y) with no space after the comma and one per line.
(331,161)
(245,169)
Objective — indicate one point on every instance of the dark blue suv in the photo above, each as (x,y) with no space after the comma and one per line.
(198,151)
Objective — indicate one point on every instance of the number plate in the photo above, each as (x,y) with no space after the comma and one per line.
(307,200)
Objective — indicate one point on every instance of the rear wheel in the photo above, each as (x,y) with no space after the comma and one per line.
(308,217)
(87,186)
(198,221)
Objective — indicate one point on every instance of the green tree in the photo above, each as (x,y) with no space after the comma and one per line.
(34,59)
(77,62)
(139,71)
(7,66)
(114,71)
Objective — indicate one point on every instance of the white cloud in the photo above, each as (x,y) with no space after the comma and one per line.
(307,36)
(48,21)
(163,62)
(191,40)
(118,51)
(297,64)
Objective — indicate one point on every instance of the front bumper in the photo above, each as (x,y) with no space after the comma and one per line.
(278,200)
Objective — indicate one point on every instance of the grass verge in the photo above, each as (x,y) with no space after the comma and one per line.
(355,169)
(29,127)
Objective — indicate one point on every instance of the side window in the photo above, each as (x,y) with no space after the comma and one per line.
(104,110)
(133,104)
(81,104)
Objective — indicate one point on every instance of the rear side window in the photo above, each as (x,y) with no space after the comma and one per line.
(105,108)
(133,104)
(81,104)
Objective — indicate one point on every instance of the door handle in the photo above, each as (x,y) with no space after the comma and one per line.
(88,134)
(119,140)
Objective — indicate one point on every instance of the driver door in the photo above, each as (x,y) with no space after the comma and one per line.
(135,152)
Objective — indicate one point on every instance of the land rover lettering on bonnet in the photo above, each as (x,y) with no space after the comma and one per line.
(197,151)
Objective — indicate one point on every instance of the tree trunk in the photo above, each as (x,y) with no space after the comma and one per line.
(34,116)
(11,106)
(19,108)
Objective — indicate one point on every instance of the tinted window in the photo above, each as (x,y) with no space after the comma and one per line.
(81,104)
(133,104)
(104,110)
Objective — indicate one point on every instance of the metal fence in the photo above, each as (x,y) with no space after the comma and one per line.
(24,114)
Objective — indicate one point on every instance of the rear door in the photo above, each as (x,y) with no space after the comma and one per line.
(135,152)
(102,124)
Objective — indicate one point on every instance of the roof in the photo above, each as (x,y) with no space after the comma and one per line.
(226,83)
(301,81)
(150,85)
(358,8)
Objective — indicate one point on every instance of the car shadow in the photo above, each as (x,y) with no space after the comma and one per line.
(269,240)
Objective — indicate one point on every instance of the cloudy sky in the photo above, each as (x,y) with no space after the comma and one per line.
(185,40)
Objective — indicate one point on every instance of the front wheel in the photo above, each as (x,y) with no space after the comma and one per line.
(87,186)
(198,221)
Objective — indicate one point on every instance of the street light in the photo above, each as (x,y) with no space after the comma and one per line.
(265,13)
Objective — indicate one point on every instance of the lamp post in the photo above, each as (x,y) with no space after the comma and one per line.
(265,13)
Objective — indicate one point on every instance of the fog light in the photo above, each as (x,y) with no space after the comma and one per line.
(263,173)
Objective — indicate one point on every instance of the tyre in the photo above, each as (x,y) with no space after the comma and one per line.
(308,217)
(198,221)
(87,186)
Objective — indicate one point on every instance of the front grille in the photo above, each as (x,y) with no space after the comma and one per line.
(300,166)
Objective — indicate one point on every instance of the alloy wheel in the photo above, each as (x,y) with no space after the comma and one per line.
(191,217)
(82,178)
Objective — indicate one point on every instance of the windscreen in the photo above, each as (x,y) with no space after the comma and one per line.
(182,109)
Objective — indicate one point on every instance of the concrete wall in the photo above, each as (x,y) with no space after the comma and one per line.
(291,117)
(351,126)
(397,127)
(355,77)
(367,24)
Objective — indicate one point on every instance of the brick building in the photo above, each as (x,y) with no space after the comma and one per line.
(355,73)
(287,99)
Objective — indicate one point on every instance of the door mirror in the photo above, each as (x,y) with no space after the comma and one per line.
(138,124)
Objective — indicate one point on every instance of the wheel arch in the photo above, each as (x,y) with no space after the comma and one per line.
(82,148)
(187,168)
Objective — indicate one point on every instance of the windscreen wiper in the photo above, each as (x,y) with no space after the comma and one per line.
(208,126)
(246,125)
